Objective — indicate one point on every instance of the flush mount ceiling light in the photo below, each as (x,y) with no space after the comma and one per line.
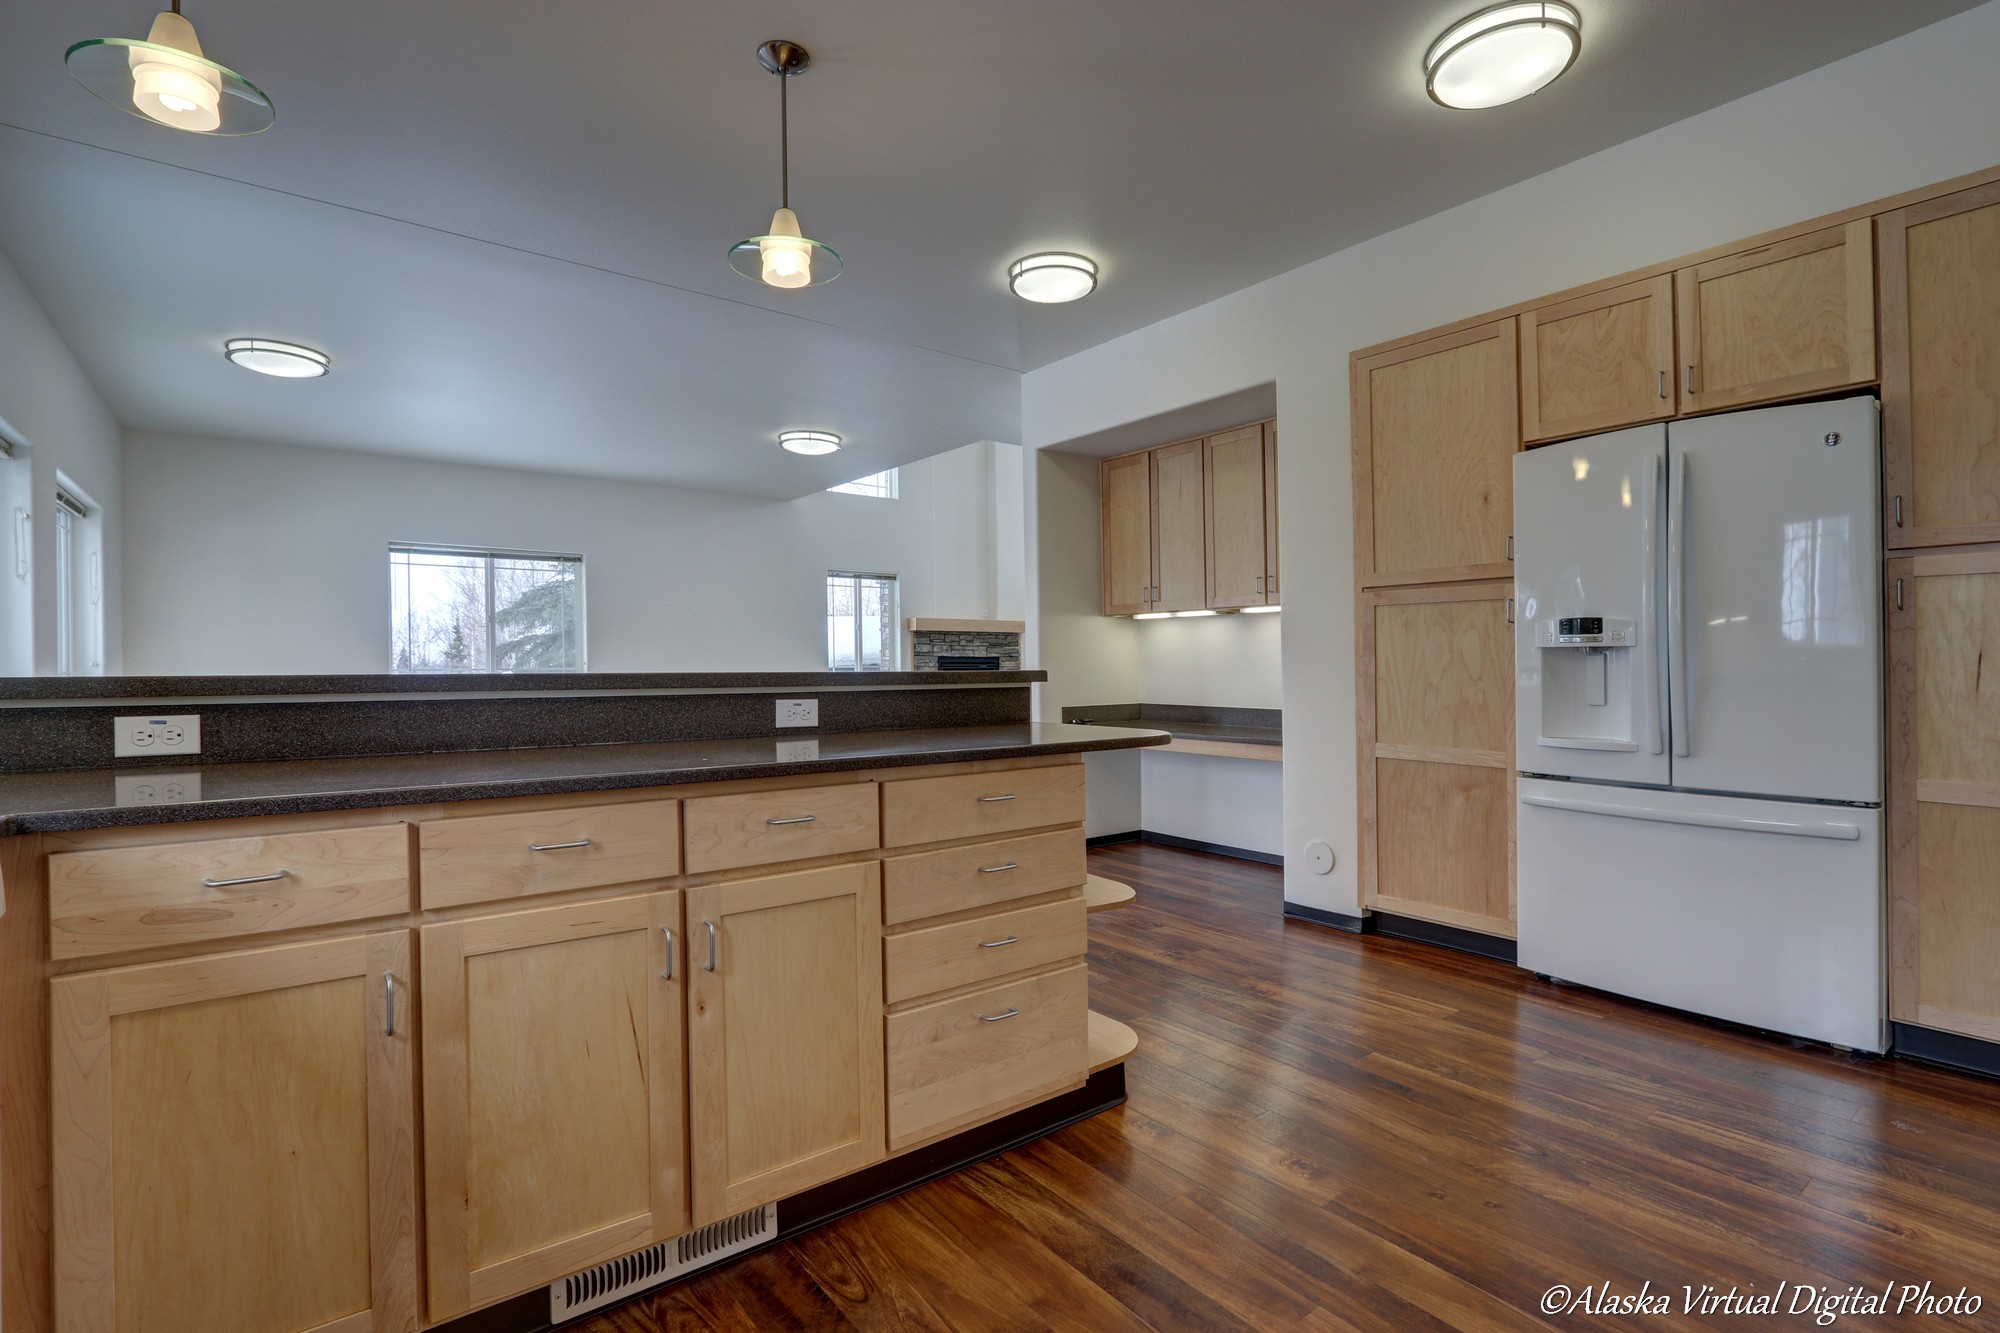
(1502,54)
(1053,277)
(168,80)
(288,361)
(784,258)
(809,442)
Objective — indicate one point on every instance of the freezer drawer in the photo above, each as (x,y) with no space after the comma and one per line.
(1760,912)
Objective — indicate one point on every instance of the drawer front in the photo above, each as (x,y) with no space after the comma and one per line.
(975,805)
(960,879)
(950,1067)
(767,827)
(179,893)
(937,958)
(484,858)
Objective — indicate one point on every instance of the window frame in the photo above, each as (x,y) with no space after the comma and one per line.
(892,487)
(892,643)
(489,554)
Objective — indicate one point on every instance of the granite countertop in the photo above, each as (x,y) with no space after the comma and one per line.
(62,802)
(568,682)
(1214,731)
(1245,726)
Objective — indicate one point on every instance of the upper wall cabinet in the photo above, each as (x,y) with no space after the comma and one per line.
(1179,512)
(1789,319)
(1436,425)
(1941,369)
(1242,521)
(1125,510)
(1599,361)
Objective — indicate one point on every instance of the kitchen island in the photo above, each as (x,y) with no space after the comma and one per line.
(379,1040)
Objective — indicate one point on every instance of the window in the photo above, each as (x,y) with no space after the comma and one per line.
(79,592)
(453,609)
(881,485)
(861,622)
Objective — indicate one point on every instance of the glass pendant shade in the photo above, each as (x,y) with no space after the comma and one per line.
(784,258)
(167,80)
(1502,54)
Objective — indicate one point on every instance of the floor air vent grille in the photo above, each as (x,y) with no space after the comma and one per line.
(613,1281)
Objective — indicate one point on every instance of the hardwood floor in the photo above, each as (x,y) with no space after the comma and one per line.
(1328,1132)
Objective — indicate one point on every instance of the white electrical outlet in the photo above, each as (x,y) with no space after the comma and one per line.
(178,733)
(798,752)
(798,712)
(156,788)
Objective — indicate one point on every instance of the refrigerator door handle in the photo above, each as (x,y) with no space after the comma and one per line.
(1653,725)
(1677,611)
(1795,828)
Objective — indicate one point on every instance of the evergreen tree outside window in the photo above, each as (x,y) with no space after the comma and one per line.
(861,621)
(453,609)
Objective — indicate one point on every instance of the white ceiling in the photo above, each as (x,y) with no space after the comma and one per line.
(507,220)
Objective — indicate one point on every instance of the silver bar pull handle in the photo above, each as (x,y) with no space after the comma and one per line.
(995,1018)
(1678,686)
(1011,865)
(1663,384)
(1690,379)
(668,975)
(1899,511)
(389,1003)
(1510,610)
(1008,797)
(994,944)
(1899,594)
(557,846)
(711,946)
(796,819)
(1510,546)
(245,879)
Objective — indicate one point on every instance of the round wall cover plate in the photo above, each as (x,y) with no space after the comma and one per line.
(1320,857)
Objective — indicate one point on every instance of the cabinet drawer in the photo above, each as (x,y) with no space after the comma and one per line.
(940,958)
(959,879)
(482,858)
(960,1061)
(766,827)
(180,893)
(974,805)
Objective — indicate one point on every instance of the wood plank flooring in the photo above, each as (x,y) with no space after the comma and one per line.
(1331,1133)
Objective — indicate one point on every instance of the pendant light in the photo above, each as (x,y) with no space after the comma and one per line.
(1502,53)
(168,80)
(783,257)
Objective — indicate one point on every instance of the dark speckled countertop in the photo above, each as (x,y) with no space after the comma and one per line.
(61,802)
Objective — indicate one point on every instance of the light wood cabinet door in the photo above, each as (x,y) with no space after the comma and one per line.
(1233,484)
(234,1145)
(1944,792)
(1793,318)
(1941,370)
(784,1034)
(1598,362)
(1125,505)
(554,1131)
(1436,427)
(1180,517)
(1436,722)
(1271,512)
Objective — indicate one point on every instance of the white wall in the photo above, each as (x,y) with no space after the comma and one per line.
(1228,802)
(1914,111)
(258,558)
(1221,661)
(48,404)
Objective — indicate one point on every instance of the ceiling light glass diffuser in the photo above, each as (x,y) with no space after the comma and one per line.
(782,257)
(810,442)
(167,80)
(1053,277)
(289,361)
(1502,54)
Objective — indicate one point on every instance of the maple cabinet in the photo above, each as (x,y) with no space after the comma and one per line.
(1241,522)
(1785,320)
(1125,505)
(1598,362)
(1436,713)
(1944,791)
(233,1142)
(1941,370)
(1180,578)
(554,1135)
(1436,427)
(1192,525)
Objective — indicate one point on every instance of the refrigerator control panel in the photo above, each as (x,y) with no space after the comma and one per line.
(1585,632)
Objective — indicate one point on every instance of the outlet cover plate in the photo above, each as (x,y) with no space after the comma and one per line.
(155,734)
(156,788)
(798,712)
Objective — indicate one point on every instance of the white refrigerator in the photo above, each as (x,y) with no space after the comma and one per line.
(1698,726)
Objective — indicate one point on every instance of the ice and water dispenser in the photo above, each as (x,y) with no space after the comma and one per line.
(1588,676)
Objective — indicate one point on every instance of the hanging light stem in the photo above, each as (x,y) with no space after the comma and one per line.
(784,136)
(177,6)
